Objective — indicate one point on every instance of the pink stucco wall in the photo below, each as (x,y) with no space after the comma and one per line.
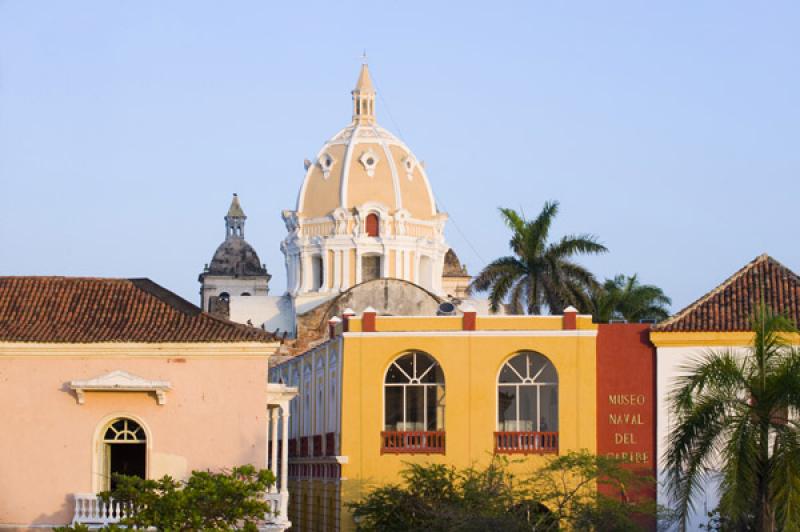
(215,417)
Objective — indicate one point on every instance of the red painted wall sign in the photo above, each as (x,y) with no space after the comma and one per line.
(626,409)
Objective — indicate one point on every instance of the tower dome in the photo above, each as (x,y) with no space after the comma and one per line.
(365,210)
(235,269)
(365,163)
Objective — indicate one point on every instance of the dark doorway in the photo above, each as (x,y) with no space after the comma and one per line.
(370,267)
(127,459)
(125,450)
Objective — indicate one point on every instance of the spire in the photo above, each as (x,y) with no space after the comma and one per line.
(364,97)
(234,220)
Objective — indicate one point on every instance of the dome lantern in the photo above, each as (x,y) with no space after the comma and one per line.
(364,98)
(234,220)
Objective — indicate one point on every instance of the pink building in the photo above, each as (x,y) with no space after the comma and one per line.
(99,376)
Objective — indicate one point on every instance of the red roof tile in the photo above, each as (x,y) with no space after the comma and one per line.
(88,310)
(730,306)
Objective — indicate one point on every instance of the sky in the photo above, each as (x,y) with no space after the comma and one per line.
(670,130)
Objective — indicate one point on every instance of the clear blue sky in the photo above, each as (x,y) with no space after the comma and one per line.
(670,130)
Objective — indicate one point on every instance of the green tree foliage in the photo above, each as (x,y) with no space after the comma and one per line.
(561,494)
(539,273)
(736,413)
(228,500)
(624,298)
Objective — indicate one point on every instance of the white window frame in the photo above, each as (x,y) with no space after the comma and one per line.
(526,381)
(414,381)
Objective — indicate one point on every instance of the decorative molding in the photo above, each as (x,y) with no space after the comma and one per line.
(369,160)
(490,333)
(409,164)
(326,162)
(120,381)
(279,394)
(221,350)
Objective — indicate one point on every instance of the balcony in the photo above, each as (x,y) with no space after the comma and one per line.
(91,510)
(318,445)
(412,442)
(526,442)
(304,446)
(330,444)
(94,512)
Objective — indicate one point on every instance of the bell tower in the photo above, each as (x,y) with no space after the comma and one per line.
(235,270)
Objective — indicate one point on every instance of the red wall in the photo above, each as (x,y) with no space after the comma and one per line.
(626,402)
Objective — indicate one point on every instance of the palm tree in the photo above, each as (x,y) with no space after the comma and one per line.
(539,273)
(625,298)
(737,414)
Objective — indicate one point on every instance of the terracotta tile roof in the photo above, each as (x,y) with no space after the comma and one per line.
(88,310)
(730,306)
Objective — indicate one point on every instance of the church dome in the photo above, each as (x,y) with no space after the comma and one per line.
(235,257)
(365,164)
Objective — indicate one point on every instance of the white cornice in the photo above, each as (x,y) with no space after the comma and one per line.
(120,381)
(588,333)
(140,350)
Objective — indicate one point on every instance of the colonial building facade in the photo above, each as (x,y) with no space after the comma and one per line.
(720,320)
(385,391)
(104,376)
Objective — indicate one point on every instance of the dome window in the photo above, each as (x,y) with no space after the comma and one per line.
(326,162)
(369,160)
(409,164)
(372,224)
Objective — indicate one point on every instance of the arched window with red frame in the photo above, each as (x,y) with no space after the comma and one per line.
(372,223)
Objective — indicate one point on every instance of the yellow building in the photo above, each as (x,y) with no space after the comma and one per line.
(388,390)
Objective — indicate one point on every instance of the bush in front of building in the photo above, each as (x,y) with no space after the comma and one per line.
(226,500)
(561,494)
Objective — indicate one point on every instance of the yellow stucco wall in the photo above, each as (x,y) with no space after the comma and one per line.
(414,191)
(321,195)
(363,188)
(471,363)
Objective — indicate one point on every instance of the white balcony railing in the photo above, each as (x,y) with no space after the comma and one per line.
(91,510)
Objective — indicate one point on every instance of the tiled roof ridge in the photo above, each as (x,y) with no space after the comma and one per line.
(55,309)
(741,272)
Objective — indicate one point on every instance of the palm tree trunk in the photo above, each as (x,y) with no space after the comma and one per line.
(764,516)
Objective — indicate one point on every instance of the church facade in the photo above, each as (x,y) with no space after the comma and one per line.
(365,217)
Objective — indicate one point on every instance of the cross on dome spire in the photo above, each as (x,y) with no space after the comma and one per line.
(234,220)
(364,97)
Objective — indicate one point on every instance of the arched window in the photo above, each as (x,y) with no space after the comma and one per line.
(317,273)
(245,293)
(527,405)
(425,272)
(414,405)
(224,296)
(124,450)
(372,224)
